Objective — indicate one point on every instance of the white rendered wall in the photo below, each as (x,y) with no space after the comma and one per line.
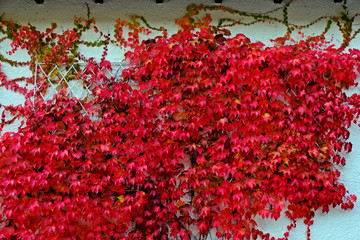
(337,224)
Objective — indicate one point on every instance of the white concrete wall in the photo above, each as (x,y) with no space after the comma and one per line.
(338,224)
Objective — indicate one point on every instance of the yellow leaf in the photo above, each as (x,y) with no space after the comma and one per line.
(180,203)
(54,74)
(121,198)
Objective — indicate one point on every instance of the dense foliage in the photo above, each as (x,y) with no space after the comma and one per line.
(204,130)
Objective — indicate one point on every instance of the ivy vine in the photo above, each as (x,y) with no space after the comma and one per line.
(218,131)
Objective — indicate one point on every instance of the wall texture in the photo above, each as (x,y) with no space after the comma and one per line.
(338,224)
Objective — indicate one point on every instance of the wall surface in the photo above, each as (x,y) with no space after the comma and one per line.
(337,224)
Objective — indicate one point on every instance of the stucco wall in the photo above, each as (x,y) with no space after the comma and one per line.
(338,224)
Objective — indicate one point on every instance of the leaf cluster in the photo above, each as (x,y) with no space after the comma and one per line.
(204,130)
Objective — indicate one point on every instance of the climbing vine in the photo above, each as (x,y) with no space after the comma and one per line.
(204,130)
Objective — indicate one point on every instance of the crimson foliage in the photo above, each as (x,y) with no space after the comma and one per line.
(203,130)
